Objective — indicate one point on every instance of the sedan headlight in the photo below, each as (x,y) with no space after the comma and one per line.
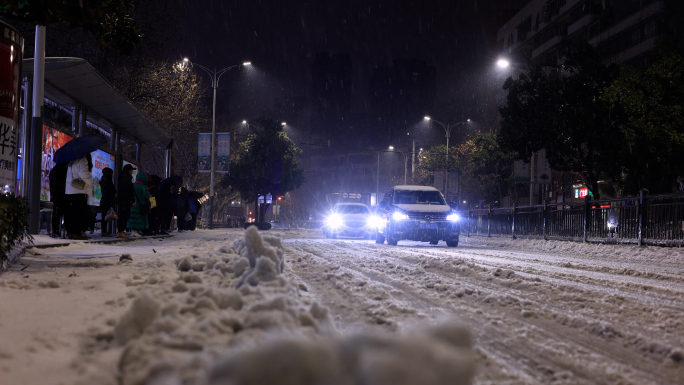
(397,216)
(374,221)
(453,217)
(334,221)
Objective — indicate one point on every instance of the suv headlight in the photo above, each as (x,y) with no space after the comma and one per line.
(333,221)
(374,221)
(397,216)
(453,217)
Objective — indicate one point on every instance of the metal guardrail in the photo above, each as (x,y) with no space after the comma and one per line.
(653,220)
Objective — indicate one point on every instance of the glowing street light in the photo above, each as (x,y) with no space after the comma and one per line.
(504,64)
(447,130)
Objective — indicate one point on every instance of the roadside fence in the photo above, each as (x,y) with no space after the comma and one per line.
(646,219)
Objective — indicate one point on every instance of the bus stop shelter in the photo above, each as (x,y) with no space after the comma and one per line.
(73,85)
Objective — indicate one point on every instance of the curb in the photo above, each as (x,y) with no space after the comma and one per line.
(16,254)
(101,241)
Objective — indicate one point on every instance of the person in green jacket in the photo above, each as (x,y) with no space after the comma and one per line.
(141,207)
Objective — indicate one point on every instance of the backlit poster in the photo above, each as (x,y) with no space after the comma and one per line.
(101,160)
(52,141)
(11,49)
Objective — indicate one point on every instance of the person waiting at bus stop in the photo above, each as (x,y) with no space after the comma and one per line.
(140,209)
(57,178)
(76,217)
(125,199)
(108,201)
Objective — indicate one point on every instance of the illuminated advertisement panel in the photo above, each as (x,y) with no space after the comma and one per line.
(52,141)
(101,160)
(11,48)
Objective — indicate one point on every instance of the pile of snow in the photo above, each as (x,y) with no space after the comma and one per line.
(231,317)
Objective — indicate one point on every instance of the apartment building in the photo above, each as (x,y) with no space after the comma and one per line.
(624,30)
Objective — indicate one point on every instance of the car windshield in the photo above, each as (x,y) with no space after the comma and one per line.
(351,209)
(413,197)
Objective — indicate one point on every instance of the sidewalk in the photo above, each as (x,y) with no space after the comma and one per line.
(42,241)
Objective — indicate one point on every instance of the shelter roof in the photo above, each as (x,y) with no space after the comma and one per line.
(73,81)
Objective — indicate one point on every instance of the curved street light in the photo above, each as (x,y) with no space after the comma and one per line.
(503,63)
(447,130)
(215,75)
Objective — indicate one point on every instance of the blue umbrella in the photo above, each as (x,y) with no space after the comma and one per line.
(77,148)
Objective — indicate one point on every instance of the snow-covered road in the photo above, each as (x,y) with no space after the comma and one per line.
(188,309)
(540,312)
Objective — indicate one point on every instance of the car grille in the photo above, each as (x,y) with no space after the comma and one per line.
(428,217)
(355,224)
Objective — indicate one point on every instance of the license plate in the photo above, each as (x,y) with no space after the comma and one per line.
(428,226)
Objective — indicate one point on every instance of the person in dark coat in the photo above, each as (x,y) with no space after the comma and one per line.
(167,191)
(154,217)
(182,208)
(108,201)
(194,208)
(57,185)
(138,219)
(125,199)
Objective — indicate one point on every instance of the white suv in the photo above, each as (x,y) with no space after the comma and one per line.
(349,220)
(417,213)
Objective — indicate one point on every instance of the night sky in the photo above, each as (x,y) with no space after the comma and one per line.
(281,38)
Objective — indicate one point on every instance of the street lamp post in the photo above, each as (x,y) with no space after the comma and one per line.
(406,156)
(215,76)
(447,130)
(503,63)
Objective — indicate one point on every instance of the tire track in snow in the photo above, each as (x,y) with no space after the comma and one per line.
(362,251)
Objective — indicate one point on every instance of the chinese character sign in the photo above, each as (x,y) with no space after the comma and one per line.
(223,157)
(11,46)
(203,152)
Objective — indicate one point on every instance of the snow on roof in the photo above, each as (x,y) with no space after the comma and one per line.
(415,188)
(425,208)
